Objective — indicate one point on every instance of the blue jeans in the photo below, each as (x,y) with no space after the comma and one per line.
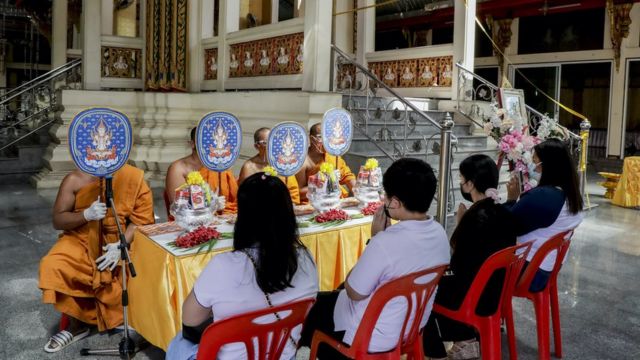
(181,349)
(540,281)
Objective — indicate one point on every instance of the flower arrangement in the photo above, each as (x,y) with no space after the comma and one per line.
(515,143)
(195,192)
(368,182)
(270,171)
(371,164)
(327,169)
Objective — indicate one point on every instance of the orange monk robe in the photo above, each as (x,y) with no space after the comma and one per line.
(294,189)
(228,189)
(346,176)
(69,278)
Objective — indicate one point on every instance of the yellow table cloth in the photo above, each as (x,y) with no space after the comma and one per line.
(628,191)
(164,280)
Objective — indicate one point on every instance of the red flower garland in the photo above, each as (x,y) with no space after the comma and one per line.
(198,236)
(332,215)
(371,208)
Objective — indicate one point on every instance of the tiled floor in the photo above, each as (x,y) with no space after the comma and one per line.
(599,299)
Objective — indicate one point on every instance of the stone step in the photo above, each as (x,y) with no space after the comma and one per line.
(398,127)
(28,160)
(363,145)
(358,158)
(387,102)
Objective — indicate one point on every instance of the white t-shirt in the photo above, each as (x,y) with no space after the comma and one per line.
(565,221)
(401,249)
(228,286)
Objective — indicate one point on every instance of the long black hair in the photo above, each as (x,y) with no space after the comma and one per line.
(558,169)
(481,170)
(266,221)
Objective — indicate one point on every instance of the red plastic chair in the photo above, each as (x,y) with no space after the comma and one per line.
(512,260)
(405,286)
(543,300)
(271,338)
(167,205)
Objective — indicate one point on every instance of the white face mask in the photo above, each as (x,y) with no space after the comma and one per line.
(533,174)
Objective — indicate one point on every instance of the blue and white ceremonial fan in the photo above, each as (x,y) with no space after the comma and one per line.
(218,140)
(337,131)
(287,148)
(100,141)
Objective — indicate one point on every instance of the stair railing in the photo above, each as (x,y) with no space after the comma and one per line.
(355,77)
(29,107)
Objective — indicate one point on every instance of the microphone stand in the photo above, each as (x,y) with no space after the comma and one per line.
(127,347)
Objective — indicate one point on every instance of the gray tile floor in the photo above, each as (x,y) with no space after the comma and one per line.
(599,288)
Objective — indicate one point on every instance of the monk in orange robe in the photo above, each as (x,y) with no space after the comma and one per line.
(74,277)
(315,157)
(258,162)
(179,169)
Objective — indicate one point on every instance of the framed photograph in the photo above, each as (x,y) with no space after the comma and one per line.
(512,101)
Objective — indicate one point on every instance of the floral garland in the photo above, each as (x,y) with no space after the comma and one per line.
(333,217)
(203,237)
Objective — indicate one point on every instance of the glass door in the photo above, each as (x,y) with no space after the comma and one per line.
(632,113)
(545,78)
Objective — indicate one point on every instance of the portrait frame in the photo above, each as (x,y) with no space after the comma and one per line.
(512,101)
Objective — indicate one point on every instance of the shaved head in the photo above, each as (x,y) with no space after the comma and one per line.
(260,133)
(316,129)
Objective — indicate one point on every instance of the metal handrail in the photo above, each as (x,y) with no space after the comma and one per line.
(565,130)
(28,134)
(445,127)
(40,112)
(17,91)
(372,76)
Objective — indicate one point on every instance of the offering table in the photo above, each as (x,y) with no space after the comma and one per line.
(165,274)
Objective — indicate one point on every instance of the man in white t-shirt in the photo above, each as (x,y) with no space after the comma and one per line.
(415,243)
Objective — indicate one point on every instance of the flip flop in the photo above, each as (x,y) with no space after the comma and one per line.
(64,339)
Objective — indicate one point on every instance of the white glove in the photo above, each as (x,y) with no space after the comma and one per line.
(221,202)
(97,211)
(110,258)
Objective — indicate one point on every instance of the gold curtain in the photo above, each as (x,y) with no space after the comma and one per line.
(166,45)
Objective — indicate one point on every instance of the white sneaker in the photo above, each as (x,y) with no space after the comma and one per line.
(464,350)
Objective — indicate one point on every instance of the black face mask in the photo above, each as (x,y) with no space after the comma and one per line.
(465,195)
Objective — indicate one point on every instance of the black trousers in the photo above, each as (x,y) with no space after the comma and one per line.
(439,329)
(321,318)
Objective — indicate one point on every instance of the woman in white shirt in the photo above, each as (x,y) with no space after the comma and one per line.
(554,206)
(231,284)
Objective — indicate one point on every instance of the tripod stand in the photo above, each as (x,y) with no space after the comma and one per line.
(127,347)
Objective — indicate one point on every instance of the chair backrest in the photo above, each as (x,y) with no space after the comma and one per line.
(416,288)
(511,260)
(167,205)
(271,338)
(559,242)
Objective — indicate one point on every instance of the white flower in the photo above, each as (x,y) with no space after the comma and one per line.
(495,121)
(527,157)
(488,128)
